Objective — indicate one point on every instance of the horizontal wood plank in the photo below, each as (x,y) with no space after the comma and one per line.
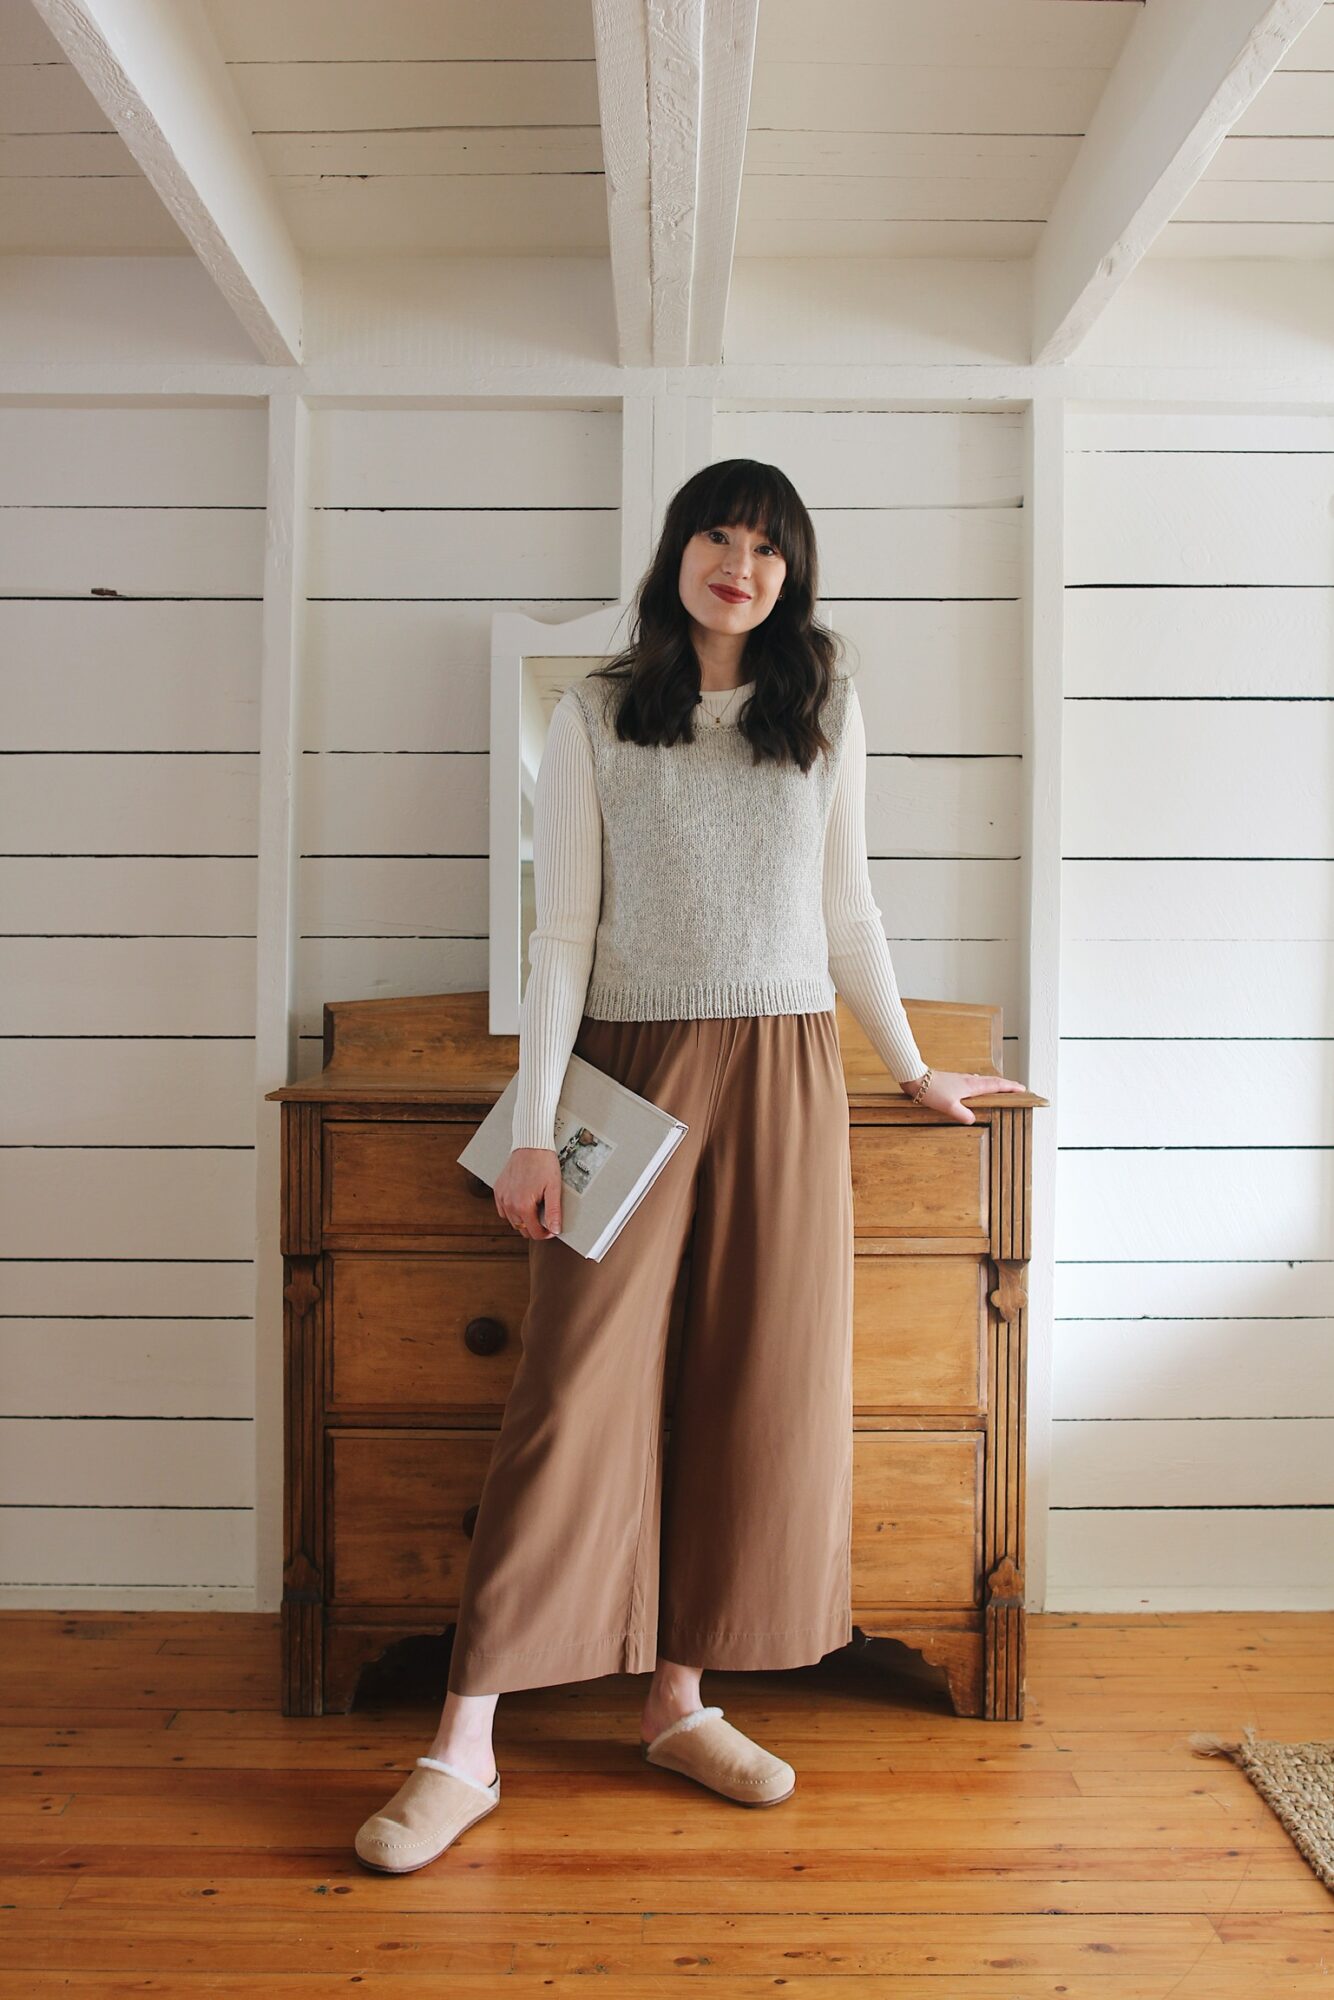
(107,1550)
(103,1365)
(117,674)
(136,1462)
(1194,1462)
(127,986)
(535,551)
(91,1092)
(478,458)
(129,895)
(127,803)
(1200,1367)
(1182,1558)
(149,1287)
(150,551)
(1204,518)
(1189,1203)
(105,1202)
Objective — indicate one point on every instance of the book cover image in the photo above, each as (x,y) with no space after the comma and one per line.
(581,1151)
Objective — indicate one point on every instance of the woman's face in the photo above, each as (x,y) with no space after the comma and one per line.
(730,578)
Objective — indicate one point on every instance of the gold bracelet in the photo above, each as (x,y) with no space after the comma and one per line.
(920,1091)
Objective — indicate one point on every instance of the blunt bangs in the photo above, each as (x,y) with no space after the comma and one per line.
(748,493)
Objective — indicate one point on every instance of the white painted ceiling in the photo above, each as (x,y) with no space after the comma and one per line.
(1269,189)
(877,128)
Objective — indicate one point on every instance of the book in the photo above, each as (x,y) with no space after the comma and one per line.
(611,1143)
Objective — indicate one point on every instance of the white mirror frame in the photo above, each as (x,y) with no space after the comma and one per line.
(526,656)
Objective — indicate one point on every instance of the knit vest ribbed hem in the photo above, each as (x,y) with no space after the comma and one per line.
(715,1001)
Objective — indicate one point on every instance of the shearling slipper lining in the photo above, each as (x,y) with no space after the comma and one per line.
(437,1764)
(691,1721)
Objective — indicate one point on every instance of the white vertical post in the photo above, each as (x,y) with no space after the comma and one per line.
(637,414)
(1039,1050)
(275,945)
(666,434)
(696,433)
(682,439)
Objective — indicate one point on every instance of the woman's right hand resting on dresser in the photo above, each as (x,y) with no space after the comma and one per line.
(530,1177)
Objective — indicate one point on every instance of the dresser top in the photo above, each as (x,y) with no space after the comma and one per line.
(437,1048)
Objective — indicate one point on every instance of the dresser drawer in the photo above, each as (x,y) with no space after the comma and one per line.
(404,1179)
(400,1497)
(409,1332)
(920,1180)
(398,1504)
(920,1334)
(434,1332)
(401,1178)
(917,1518)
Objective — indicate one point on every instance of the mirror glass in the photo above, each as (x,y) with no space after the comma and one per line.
(543,682)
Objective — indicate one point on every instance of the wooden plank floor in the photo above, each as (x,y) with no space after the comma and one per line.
(165,1831)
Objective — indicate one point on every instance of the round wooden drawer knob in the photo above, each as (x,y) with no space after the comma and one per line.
(485,1336)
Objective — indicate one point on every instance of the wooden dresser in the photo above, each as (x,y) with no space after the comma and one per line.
(404,1300)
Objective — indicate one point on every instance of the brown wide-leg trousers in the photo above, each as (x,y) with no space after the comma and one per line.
(588,1559)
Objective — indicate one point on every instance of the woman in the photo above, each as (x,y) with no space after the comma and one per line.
(702,890)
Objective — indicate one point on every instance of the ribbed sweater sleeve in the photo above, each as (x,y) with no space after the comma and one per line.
(567,883)
(859,961)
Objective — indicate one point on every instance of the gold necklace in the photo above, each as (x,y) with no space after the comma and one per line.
(719,719)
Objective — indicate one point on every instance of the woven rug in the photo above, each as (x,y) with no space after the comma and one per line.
(1297,1781)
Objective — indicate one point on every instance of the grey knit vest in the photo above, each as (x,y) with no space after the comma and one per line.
(712,871)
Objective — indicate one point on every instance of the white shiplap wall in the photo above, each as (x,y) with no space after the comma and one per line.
(423,522)
(918,517)
(131,569)
(1193,1386)
(1193,1390)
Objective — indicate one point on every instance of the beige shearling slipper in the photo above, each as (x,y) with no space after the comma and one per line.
(435,1804)
(704,1747)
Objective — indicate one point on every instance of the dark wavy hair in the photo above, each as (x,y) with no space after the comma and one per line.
(791,656)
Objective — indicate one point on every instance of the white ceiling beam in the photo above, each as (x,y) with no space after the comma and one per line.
(729,63)
(155,70)
(621,36)
(674,97)
(1188,70)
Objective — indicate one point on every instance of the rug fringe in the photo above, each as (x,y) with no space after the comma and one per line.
(1205,1745)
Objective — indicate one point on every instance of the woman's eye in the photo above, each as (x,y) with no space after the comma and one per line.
(765,548)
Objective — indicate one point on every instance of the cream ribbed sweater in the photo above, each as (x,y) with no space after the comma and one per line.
(567,864)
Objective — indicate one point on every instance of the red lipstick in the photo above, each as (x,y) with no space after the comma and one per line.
(730,596)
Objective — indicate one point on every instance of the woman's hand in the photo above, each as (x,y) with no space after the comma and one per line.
(948,1086)
(529,1179)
